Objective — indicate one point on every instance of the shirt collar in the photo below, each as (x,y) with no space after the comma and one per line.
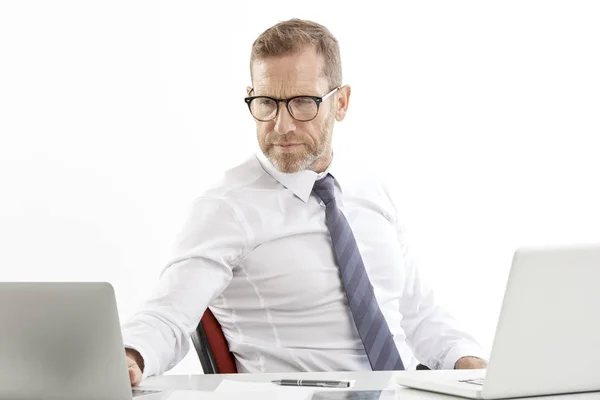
(300,183)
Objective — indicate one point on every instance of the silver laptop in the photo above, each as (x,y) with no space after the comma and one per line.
(62,341)
(548,335)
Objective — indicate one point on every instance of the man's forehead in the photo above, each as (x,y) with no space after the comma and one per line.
(287,87)
(290,75)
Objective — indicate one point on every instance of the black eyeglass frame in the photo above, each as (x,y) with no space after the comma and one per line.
(318,100)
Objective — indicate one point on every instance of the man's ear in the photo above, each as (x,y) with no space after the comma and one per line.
(343,99)
(248,90)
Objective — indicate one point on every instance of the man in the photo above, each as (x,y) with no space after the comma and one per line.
(303,264)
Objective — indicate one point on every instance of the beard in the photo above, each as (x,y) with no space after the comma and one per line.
(300,157)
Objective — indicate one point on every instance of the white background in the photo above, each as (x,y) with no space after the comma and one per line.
(481,116)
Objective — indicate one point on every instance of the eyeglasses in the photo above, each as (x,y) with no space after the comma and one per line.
(301,108)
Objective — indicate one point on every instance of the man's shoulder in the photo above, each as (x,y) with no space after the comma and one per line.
(236,180)
(221,199)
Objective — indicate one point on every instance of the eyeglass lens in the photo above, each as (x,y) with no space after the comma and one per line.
(301,108)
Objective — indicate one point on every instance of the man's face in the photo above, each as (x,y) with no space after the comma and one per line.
(291,145)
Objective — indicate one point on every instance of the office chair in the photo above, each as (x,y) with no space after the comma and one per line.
(211,346)
(213,350)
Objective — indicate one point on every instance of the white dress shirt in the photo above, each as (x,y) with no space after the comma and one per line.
(256,249)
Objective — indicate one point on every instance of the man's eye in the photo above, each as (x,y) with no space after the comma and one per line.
(265,102)
(304,101)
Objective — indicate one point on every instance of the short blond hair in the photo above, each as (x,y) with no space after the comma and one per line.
(295,35)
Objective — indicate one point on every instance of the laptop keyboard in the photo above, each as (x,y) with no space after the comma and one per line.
(477,381)
(142,392)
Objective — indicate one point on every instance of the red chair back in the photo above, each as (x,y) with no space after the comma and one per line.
(212,346)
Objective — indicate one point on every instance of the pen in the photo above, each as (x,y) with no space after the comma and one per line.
(309,382)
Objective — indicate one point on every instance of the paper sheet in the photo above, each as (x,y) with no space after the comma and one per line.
(231,389)
(247,394)
(264,390)
(202,395)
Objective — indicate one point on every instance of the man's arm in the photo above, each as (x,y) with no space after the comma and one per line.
(207,249)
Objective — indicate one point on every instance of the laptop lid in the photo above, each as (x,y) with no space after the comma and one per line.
(61,341)
(548,335)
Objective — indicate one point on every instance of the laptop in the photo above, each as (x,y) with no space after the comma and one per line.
(547,338)
(62,341)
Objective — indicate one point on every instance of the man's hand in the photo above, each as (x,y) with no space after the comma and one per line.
(470,363)
(135,366)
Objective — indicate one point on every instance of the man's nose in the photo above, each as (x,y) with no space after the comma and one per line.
(284,123)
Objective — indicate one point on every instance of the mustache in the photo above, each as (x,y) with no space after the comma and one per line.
(276,139)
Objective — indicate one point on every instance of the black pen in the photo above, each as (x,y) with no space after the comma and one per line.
(309,382)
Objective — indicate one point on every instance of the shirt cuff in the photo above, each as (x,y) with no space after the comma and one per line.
(461,350)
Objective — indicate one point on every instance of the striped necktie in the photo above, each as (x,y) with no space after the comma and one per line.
(372,327)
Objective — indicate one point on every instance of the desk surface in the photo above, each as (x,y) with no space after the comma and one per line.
(364,380)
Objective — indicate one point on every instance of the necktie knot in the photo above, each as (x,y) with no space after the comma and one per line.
(324,189)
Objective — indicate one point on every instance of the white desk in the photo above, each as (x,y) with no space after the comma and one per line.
(363,381)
